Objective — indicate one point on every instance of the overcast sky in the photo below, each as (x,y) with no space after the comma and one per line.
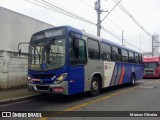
(146,12)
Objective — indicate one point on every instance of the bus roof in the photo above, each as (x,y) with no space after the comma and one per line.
(80,32)
(108,41)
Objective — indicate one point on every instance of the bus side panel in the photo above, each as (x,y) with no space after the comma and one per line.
(128,70)
(139,72)
(93,67)
(114,74)
(109,70)
(121,74)
(76,80)
(132,68)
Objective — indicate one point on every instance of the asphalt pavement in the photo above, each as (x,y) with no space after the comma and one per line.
(144,96)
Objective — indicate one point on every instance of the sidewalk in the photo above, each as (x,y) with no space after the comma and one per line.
(8,96)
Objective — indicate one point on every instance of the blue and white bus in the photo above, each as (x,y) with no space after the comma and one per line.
(65,60)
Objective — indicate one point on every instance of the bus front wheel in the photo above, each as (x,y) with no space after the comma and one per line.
(95,86)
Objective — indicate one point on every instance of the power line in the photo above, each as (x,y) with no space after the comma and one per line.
(110,21)
(65,8)
(110,11)
(55,8)
(131,36)
(41,5)
(86,4)
(131,16)
(109,32)
(48,7)
(119,38)
(89,6)
(69,14)
(110,28)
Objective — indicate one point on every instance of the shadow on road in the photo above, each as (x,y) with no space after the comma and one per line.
(58,99)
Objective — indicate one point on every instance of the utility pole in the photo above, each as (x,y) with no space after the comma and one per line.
(98,8)
(140,42)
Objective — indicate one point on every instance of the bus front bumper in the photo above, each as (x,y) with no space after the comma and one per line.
(61,89)
(151,76)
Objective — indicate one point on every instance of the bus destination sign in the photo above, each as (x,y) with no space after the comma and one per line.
(49,33)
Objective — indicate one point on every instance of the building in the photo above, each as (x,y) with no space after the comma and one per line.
(147,54)
(15,28)
(155,45)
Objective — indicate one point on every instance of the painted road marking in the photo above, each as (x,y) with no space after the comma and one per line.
(93,101)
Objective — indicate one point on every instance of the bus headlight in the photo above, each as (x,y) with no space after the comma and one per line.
(29,79)
(60,78)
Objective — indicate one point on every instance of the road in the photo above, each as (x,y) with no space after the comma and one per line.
(144,96)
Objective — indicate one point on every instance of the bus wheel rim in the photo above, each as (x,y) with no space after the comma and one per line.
(95,86)
(133,80)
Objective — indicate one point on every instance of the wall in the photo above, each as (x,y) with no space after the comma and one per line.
(13,70)
(15,28)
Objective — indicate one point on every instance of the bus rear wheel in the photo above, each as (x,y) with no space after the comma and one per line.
(95,86)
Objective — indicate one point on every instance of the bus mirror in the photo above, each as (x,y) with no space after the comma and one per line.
(76,47)
(19,52)
(76,43)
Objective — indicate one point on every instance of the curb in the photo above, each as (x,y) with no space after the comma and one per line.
(6,101)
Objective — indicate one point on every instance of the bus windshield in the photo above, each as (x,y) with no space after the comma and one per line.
(150,65)
(47,55)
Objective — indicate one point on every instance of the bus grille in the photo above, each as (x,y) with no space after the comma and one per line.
(149,73)
(42,76)
(149,70)
(42,87)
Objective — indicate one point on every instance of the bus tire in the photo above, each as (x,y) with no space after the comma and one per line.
(132,79)
(95,86)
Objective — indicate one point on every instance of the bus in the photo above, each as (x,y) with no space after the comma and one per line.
(151,67)
(65,60)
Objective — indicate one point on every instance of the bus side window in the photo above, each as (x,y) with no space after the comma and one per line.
(116,54)
(105,51)
(93,49)
(137,60)
(77,51)
(124,55)
(119,54)
(141,60)
(131,57)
